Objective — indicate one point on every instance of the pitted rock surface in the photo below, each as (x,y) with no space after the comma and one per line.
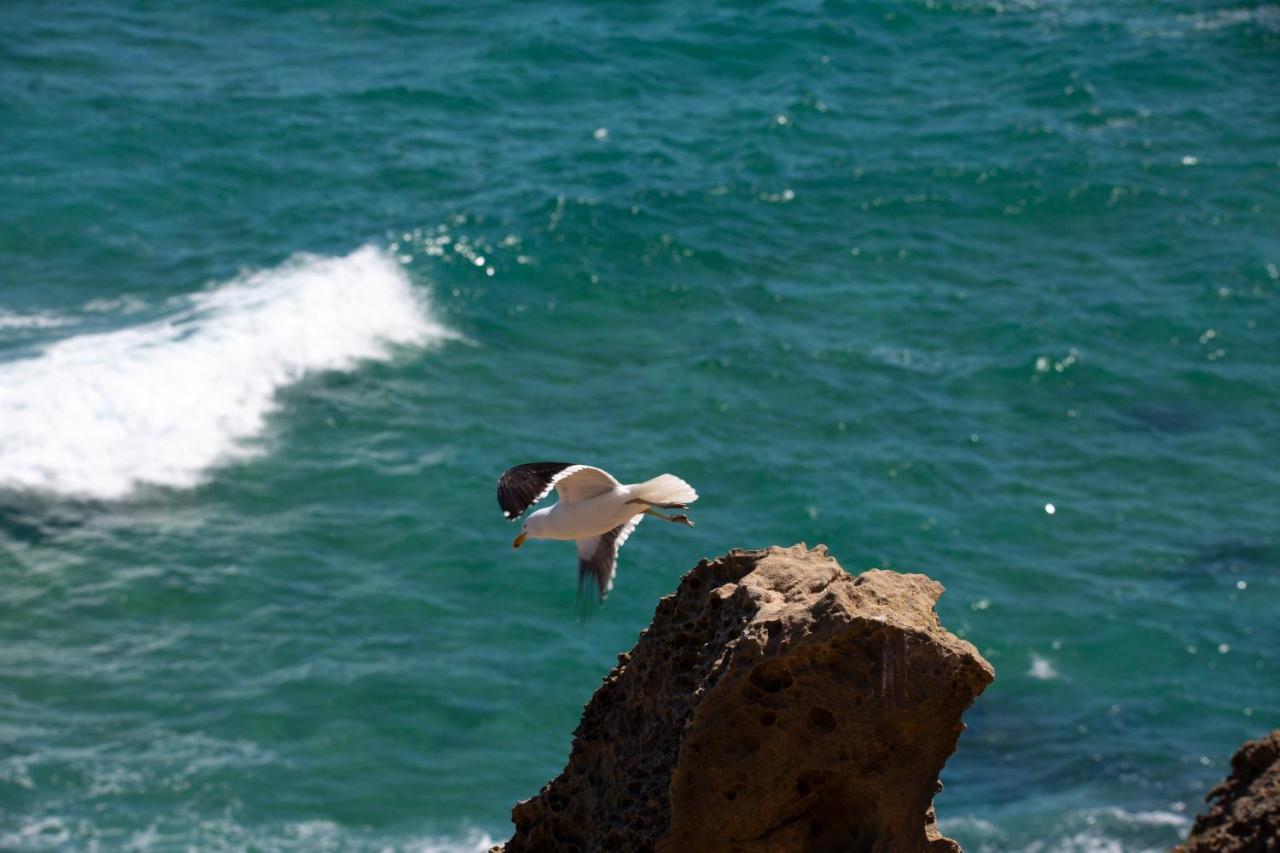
(775,703)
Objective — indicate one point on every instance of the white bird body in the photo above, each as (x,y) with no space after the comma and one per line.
(579,519)
(594,510)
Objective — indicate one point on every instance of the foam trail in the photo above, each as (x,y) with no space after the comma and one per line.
(10,320)
(98,415)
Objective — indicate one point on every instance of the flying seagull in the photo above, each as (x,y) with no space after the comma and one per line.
(594,509)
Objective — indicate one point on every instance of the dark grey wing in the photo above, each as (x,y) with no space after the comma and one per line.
(524,485)
(598,558)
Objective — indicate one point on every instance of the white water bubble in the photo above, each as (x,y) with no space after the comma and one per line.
(1042,668)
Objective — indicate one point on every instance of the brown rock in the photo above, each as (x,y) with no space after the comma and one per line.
(1246,816)
(774,704)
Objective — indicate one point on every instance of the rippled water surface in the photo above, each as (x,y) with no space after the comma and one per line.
(981,289)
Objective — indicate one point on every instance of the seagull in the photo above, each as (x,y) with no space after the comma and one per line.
(594,509)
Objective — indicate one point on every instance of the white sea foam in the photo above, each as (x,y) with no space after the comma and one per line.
(38,320)
(1042,668)
(1098,830)
(98,415)
(1264,16)
(224,832)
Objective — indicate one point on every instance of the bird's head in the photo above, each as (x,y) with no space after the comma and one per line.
(532,527)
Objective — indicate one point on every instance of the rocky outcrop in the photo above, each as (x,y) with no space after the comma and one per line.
(775,703)
(1244,811)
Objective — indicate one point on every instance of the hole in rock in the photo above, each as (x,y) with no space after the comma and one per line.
(772,676)
(822,719)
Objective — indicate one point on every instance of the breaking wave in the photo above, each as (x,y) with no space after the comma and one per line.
(98,415)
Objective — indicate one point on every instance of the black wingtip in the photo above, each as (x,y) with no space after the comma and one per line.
(524,485)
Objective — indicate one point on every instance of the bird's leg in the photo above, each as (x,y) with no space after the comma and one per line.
(678,519)
(649,510)
(651,504)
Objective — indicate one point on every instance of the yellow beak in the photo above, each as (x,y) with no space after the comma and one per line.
(519,540)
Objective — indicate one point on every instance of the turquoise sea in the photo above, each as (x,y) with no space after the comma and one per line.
(982,288)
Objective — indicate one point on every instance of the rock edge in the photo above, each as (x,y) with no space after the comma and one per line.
(1244,812)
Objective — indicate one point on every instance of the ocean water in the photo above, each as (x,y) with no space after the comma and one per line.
(982,289)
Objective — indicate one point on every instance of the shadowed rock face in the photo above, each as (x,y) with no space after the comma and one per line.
(1245,813)
(775,703)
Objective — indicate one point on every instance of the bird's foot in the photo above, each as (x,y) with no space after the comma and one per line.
(682,519)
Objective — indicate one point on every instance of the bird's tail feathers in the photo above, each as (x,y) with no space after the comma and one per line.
(665,489)
(589,599)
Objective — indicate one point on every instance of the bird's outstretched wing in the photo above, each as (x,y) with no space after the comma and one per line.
(598,560)
(524,485)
